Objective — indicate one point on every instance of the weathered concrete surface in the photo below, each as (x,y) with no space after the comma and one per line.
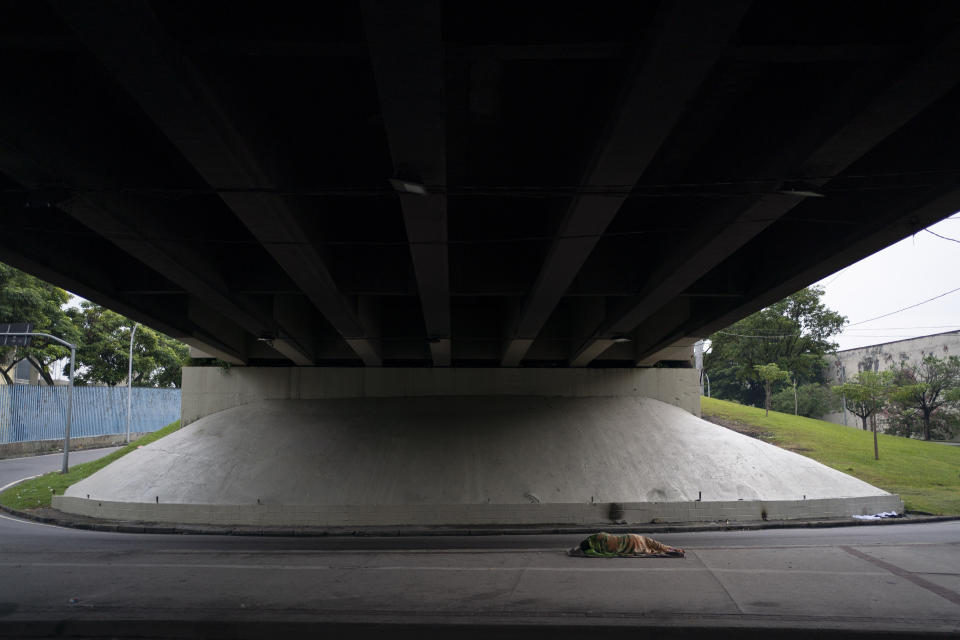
(207,390)
(464,460)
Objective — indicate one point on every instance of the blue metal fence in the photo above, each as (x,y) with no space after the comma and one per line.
(39,413)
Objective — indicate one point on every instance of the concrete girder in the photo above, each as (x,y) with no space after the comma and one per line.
(406,52)
(293,318)
(152,245)
(182,267)
(611,50)
(861,246)
(680,350)
(692,36)
(128,39)
(130,225)
(143,238)
(929,78)
(100,293)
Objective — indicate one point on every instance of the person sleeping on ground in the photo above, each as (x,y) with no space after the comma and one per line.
(628,545)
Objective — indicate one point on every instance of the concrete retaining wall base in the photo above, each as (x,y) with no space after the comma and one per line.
(42,447)
(477,514)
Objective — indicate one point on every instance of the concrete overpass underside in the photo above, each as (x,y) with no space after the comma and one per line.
(454,186)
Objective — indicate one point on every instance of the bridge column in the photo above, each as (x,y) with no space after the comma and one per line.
(207,390)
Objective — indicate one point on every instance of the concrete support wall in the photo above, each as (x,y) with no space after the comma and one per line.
(600,514)
(207,390)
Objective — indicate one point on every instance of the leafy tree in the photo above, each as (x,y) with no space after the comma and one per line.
(769,375)
(103,353)
(907,422)
(24,298)
(794,333)
(923,390)
(867,394)
(812,400)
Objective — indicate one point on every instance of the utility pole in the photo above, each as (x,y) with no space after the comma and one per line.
(842,376)
(796,404)
(130,378)
(698,361)
(9,334)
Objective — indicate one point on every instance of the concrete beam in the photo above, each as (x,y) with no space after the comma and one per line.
(406,52)
(129,40)
(100,292)
(691,37)
(290,314)
(231,340)
(680,350)
(151,243)
(930,78)
(860,247)
(612,50)
(130,224)
(652,331)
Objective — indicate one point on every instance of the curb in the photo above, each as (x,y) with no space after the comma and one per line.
(120,526)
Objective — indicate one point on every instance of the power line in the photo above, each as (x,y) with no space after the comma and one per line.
(741,335)
(848,335)
(885,315)
(834,278)
(902,336)
(929,326)
(942,237)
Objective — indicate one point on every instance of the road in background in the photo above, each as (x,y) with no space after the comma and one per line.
(14,469)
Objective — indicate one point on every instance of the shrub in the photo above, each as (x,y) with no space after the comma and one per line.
(813,400)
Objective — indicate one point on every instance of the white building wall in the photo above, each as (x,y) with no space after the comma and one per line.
(881,357)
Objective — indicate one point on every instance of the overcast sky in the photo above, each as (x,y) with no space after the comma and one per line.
(913,270)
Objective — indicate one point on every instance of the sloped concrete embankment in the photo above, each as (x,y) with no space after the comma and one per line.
(464,460)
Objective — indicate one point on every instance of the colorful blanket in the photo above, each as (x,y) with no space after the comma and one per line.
(631,545)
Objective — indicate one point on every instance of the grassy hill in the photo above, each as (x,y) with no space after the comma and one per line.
(926,475)
(37,492)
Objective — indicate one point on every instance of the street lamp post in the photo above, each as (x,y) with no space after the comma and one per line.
(130,378)
(4,336)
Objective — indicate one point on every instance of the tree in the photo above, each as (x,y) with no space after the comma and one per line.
(812,400)
(794,333)
(926,387)
(103,352)
(867,394)
(769,375)
(24,298)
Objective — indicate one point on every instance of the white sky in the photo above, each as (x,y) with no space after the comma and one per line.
(911,271)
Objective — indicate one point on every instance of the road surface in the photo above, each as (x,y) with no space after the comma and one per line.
(896,579)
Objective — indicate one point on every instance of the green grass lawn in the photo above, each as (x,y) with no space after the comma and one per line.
(926,475)
(37,492)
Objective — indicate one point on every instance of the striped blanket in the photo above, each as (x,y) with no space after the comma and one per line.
(632,545)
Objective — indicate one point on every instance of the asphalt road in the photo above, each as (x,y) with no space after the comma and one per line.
(899,580)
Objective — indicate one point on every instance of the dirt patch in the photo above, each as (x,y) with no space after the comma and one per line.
(745,429)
